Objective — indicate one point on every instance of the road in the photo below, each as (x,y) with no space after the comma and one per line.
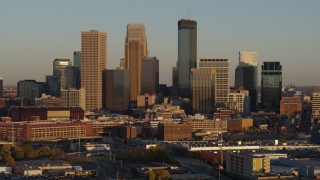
(199,167)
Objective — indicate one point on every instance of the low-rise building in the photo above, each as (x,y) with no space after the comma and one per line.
(166,111)
(309,168)
(172,132)
(34,171)
(290,105)
(47,100)
(28,113)
(247,164)
(208,125)
(239,125)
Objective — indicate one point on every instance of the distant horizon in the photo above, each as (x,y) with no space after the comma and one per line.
(285,31)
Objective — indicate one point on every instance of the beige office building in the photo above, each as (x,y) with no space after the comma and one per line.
(73,97)
(222,76)
(135,51)
(240,102)
(93,62)
(247,164)
(203,90)
(316,103)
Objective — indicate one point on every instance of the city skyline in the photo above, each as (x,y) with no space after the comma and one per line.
(279,31)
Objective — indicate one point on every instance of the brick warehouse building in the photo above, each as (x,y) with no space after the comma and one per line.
(38,131)
(24,113)
(173,132)
(51,130)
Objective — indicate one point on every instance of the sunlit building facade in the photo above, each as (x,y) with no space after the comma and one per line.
(93,62)
(222,77)
(135,51)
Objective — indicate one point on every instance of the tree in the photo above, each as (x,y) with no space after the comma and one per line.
(152,175)
(18,153)
(31,154)
(159,174)
(56,151)
(44,151)
(8,159)
(5,149)
(27,148)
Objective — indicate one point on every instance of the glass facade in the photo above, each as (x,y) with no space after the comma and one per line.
(271,83)
(187,54)
(246,75)
(150,76)
(116,90)
(77,59)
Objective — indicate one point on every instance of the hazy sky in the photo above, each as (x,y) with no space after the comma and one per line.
(34,33)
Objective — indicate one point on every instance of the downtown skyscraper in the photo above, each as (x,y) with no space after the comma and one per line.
(222,78)
(187,54)
(271,84)
(150,76)
(93,62)
(203,90)
(246,75)
(135,51)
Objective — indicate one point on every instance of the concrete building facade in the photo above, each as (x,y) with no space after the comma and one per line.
(93,62)
(203,90)
(240,101)
(290,105)
(222,76)
(246,164)
(72,97)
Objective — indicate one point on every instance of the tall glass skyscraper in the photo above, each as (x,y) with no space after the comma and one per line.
(246,75)
(271,83)
(187,54)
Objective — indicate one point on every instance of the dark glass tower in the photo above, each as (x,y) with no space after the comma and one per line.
(271,83)
(116,90)
(150,76)
(187,54)
(246,75)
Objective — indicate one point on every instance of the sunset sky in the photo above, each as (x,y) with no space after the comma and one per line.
(34,33)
